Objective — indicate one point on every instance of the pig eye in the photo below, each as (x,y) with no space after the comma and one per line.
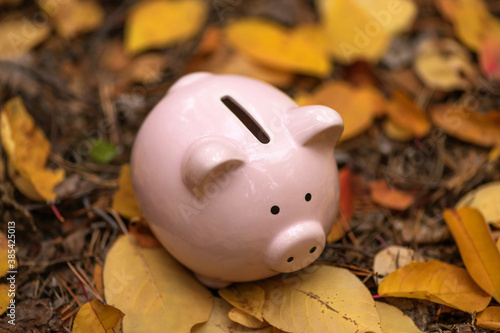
(275,210)
(308,197)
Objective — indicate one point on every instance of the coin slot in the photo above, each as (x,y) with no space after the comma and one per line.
(246,119)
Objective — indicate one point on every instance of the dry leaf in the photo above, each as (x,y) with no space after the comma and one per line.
(357,106)
(392,198)
(297,50)
(247,297)
(346,210)
(124,200)
(482,129)
(393,320)
(147,69)
(361,29)
(6,295)
(444,65)
(316,299)
(220,322)
(395,132)
(97,278)
(98,318)
(471,20)
(28,150)
(437,282)
(486,199)
(489,57)
(5,247)
(17,37)
(477,248)
(245,319)
(390,259)
(141,232)
(489,318)
(73,17)
(153,289)
(403,111)
(160,23)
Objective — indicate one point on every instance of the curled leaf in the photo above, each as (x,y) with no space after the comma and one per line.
(437,282)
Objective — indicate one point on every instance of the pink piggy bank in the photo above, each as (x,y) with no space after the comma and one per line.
(236,180)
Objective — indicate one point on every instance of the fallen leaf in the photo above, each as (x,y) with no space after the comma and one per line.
(486,199)
(103,152)
(247,297)
(357,106)
(220,322)
(341,225)
(297,50)
(489,318)
(153,290)
(73,17)
(489,57)
(444,65)
(471,20)
(28,150)
(124,200)
(5,297)
(392,198)
(357,29)
(390,259)
(5,247)
(437,282)
(141,232)
(395,132)
(97,317)
(245,319)
(160,23)
(147,69)
(482,129)
(17,37)
(498,244)
(403,111)
(97,278)
(316,299)
(393,320)
(477,248)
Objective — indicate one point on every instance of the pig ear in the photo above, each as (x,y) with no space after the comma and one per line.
(208,159)
(189,79)
(315,124)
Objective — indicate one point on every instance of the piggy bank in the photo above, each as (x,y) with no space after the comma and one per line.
(236,180)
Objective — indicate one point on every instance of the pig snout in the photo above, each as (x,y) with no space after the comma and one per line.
(296,247)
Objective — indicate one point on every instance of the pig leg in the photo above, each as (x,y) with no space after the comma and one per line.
(212,282)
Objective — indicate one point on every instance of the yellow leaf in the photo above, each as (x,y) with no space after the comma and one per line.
(395,132)
(124,200)
(6,295)
(245,319)
(486,199)
(437,282)
(5,247)
(20,36)
(153,290)
(498,244)
(249,298)
(297,50)
(393,320)
(477,248)
(219,321)
(98,318)
(390,259)
(72,17)
(160,23)
(444,65)
(363,29)
(28,150)
(357,106)
(478,128)
(316,299)
(403,111)
(489,318)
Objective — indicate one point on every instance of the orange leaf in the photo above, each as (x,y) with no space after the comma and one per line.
(357,106)
(437,282)
(341,225)
(482,129)
(403,111)
(477,248)
(489,318)
(392,198)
